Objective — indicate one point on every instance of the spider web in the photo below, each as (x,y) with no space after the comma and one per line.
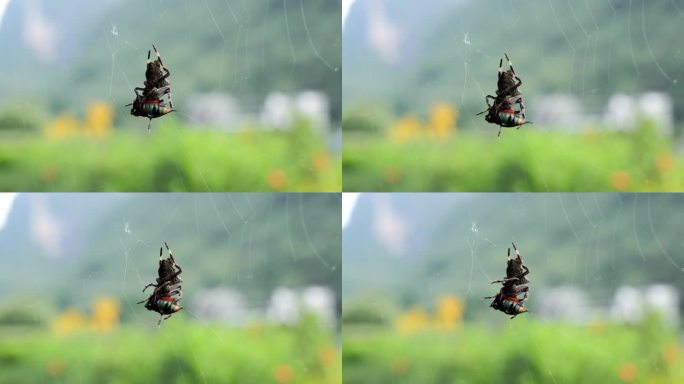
(239,39)
(586,254)
(238,68)
(238,252)
(590,51)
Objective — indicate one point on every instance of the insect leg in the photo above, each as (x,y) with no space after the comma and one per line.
(171,99)
(522,106)
(149,285)
(489,106)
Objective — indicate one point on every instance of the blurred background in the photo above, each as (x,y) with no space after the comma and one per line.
(602,82)
(605,305)
(256,85)
(261,288)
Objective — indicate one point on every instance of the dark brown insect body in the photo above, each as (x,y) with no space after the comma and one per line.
(156,78)
(148,100)
(167,294)
(516,270)
(514,284)
(502,112)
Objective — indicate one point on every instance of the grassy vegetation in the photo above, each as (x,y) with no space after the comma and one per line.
(178,352)
(523,160)
(170,158)
(524,351)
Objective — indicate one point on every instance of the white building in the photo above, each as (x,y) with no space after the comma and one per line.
(632,304)
(624,112)
(281,110)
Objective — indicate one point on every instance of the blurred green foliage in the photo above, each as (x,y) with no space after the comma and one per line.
(372,309)
(525,351)
(367,119)
(521,160)
(17,118)
(177,352)
(171,158)
(25,312)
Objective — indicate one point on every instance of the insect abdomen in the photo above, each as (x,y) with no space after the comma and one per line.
(167,307)
(155,110)
(510,119)
(512,307)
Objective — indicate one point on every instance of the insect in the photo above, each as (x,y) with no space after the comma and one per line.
(513,285)
(502,112)
(148,100)
(168,292)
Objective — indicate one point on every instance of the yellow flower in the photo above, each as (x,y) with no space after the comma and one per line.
(449,313)
(442,120)
(277,179)
(105,314)
(62,126)
(283,374)
(320,161)
(665,162)
(620,180)
(328,355)
(405,129)
(70,321)
(627,372)
(671,354)
(99,119)
(412,321)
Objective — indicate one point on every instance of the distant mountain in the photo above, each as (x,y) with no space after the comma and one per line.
(369,74)
(108,244)
(456,243)
(248,49)
(590,49)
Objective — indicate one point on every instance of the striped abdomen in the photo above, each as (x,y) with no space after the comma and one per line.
(154,109)
(511,306)
(508,118)
(166,306)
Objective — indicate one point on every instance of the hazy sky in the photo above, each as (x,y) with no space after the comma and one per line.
(348,203)
(3,6)
(346,4)
(6,200)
